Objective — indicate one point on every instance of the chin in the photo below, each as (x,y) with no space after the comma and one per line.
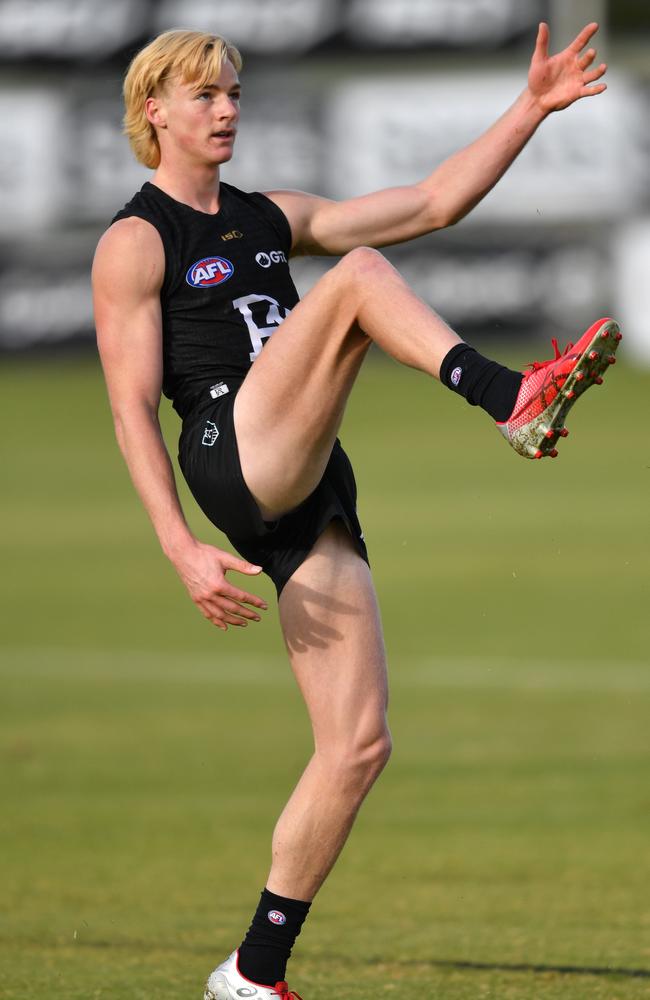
(217,159)
(222,154)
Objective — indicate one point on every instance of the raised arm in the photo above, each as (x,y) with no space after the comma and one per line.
(127,276)
(461,182)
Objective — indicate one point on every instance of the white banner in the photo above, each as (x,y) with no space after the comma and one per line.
(34,137)
(57,307)
(448,22)
(256,25)
(63,28)
(103,172)
(632,287)
(588,162)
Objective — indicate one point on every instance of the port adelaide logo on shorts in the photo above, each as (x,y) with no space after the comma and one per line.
(209,271)
(210,434)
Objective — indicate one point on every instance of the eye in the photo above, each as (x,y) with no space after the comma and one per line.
(204,95)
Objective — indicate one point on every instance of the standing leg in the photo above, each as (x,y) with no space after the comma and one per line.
(343,681)
(331,626)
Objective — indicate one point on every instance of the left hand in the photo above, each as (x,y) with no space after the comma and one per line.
(557,81)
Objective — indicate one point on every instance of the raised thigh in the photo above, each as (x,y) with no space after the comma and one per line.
(289,409)
(332,630)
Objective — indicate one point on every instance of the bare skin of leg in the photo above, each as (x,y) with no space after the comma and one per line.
(297,389)
(331,626)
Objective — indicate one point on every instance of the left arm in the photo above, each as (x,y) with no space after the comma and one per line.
(321,226)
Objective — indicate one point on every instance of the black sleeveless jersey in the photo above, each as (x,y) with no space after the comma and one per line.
(227,287)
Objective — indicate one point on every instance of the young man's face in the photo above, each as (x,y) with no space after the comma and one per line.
(199,125)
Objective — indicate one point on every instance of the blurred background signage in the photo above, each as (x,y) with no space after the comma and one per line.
(414,23)
(340,98)
(591,161)
(79,29)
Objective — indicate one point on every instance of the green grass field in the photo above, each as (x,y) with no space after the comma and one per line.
(145,756)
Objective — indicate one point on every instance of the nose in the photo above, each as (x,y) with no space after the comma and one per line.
(227,110)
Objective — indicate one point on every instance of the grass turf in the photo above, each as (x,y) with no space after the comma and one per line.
(145,756)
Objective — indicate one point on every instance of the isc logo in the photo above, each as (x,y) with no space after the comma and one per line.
(209,271)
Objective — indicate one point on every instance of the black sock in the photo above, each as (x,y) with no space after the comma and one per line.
(264,952)
(482,382)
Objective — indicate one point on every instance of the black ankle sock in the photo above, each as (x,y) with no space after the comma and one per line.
(482,382)
(264,952)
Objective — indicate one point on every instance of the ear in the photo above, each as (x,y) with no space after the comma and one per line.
(154,109)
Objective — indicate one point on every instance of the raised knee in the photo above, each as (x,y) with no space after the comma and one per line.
(362,261)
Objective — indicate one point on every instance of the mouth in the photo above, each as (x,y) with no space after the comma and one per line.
(226,133)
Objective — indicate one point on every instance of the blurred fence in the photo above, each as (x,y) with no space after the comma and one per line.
(340,98)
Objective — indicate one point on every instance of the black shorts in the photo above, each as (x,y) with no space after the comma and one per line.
(209,459)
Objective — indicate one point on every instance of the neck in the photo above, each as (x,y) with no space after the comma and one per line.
(196,186)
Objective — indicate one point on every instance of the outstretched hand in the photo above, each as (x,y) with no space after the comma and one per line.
(557,81)
(202,569)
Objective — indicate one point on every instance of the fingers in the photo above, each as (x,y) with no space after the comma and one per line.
(234,620)
(595,74)
(587,58)
(244,597)
(224,613)
(238,609)
(240,565)
(592,91)
(225,608)
(203,573)
(541,44)
(578,44)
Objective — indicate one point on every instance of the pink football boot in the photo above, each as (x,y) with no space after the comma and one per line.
(550,389)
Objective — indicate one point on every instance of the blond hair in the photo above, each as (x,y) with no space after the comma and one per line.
(192,57)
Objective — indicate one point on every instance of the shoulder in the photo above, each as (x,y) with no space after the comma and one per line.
(255,200)
(289,200)
(130,253)
(132,230)
(151,205)
(299,209)
(265,205)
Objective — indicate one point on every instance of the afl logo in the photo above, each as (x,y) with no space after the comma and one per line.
(276,917)
(209,271)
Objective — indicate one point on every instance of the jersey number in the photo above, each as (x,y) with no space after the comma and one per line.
(274,317)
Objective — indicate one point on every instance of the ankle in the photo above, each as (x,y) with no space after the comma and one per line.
(482,382)
(265,951)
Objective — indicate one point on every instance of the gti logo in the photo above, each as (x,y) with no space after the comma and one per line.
(209,271)
(272,257)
